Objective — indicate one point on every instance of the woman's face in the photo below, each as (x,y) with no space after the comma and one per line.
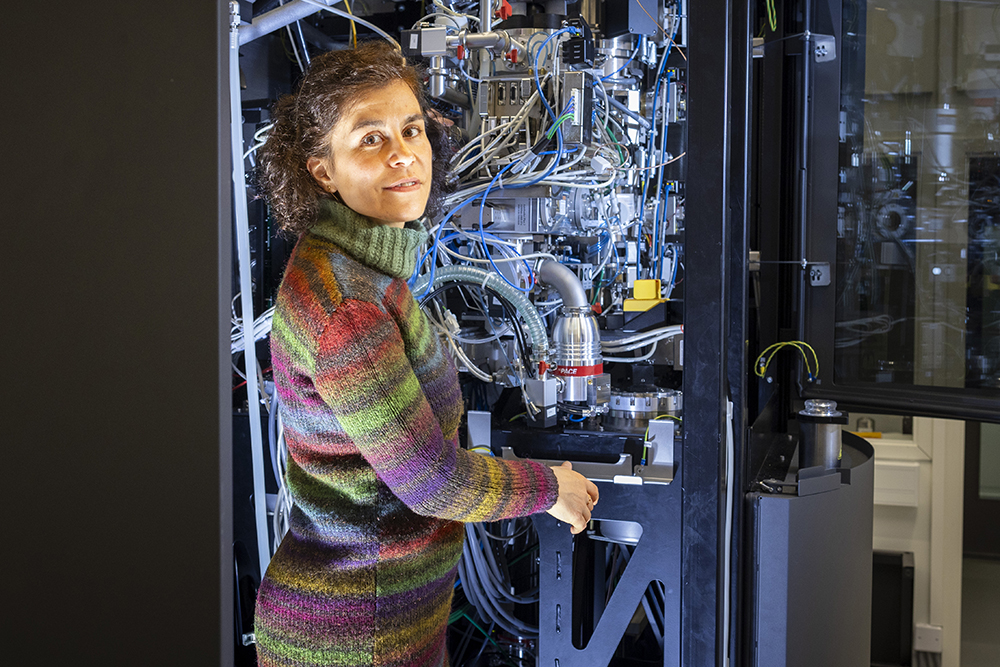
(380,157)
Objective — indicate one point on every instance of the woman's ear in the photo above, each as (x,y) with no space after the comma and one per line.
(323,175)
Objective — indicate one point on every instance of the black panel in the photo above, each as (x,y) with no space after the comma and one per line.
(116,225)
(892,608)
(706,318)
(812,566)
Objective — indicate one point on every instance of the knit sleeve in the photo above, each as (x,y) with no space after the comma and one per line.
(363,374)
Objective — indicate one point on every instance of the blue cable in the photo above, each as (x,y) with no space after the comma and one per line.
(482,234)
(618,267)
(494,237)
(434,246)
(663,148)
(538,82)
(627,62)
(677,262)
(649,150)
(433,250)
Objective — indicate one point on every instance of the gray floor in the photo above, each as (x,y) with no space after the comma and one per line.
(980,613)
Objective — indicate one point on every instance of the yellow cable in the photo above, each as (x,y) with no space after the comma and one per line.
(646,437)
(762,364)
(354,30)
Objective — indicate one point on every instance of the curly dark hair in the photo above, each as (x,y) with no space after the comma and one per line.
(334,82)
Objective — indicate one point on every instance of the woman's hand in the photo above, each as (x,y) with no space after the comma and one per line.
(577,497)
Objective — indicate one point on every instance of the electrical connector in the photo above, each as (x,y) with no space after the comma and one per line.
(600,164)
(533,156)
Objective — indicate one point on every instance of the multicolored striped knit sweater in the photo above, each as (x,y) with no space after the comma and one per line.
(371,408)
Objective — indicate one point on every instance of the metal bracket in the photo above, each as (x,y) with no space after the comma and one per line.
(824,46)
(819,272)
(606,472)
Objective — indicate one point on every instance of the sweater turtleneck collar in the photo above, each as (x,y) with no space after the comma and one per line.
(391,250)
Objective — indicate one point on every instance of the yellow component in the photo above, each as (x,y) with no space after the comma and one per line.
(639,305)
(647,295)
(646,289)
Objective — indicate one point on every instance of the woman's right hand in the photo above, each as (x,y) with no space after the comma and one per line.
(577,497)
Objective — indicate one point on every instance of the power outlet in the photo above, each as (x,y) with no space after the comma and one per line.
(927,638)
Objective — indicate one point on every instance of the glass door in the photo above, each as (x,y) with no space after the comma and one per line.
(913,319)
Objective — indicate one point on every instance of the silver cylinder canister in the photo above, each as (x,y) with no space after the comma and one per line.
(618,63)
(632,410)
(577,351)
(820,429)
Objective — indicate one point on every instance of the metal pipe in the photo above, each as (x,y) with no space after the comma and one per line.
(246,288)
(296,10)
(437,77)
(489,40)
(564,281)
(276,19)
(452,96)
(485,15)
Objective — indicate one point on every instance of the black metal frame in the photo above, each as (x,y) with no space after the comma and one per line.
(714,317)
(656,558)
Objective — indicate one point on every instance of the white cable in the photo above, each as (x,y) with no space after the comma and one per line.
(671,330)
(634,344)
(497,260)
(469,365)
(452,12)
(632,360)
(514,125)
(261,329)
(730,493)
(341,13)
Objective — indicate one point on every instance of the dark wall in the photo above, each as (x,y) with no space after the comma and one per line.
(115,327)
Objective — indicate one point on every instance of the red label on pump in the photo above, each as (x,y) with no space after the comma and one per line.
(579,371)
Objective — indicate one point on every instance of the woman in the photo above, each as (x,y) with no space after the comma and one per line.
(371,404)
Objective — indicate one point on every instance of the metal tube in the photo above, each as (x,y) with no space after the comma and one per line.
(276,19)
(485,15)
(437,77)
(475,40)
(246,289)
(562,278)
(294,11)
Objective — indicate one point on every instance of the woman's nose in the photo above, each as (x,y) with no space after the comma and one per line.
(400,154)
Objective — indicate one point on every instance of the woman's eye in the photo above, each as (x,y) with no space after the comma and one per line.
(412,131)
(371,140)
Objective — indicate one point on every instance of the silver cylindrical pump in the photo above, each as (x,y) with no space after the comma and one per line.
(820,428)
(576,346)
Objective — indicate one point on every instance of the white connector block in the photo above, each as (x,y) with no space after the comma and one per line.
(927,638)
(576,98)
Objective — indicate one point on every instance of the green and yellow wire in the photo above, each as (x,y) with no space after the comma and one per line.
(764,360)
(555,126)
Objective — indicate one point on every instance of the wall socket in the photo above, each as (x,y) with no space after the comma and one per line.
(927,638)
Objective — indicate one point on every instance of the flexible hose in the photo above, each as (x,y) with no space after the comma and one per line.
(474,275)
